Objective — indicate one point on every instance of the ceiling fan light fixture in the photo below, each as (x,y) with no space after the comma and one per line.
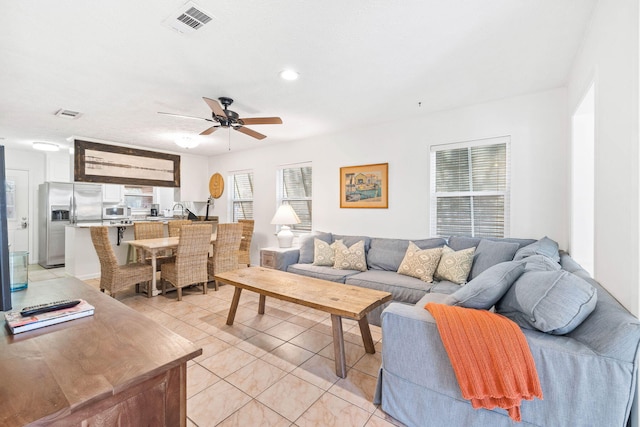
(186,142)
(289,75)
(45,146)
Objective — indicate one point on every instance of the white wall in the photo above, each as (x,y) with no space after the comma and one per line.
(538,127)
(33,162)
(609,57)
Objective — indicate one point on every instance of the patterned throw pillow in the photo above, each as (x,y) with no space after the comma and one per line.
(455,266)
(420,263)
(323,253)
(352,258)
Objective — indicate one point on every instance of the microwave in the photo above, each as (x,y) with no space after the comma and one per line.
(115,212)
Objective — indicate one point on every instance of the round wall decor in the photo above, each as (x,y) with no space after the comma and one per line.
(216,185)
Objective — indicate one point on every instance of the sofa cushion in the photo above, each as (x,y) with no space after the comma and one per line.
(403,288)
(420,263)
(540,263)
(488,287)
(489,253)
(444,287)
(321,272)
(455,265)
(351,258)
(555,302)
(323,253)
(352,240)
(387,254)
(463,242)
(544,246)
(307,248)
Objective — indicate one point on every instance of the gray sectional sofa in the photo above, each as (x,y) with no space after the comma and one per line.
(585,344)
(384,256)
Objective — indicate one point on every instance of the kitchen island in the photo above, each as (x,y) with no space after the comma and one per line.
(80,257)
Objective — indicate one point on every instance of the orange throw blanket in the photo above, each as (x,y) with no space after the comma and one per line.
(490,357)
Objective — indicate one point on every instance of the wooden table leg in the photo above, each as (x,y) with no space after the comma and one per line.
(234,306)
(154,290)
(338,346)
(261,304)
(365,331)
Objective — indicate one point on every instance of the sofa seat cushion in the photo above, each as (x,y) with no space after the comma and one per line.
(387,254)
(321,272)
(444,287)
(403,288)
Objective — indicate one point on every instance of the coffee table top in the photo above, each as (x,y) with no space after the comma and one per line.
(331,297)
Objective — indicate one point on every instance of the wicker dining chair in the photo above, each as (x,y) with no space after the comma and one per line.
(114,277)
(225,250)
(244,254)
(175,225)
(190,266)
(151,230)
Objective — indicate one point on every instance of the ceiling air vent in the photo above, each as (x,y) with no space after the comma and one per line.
(187,19)
(68,114)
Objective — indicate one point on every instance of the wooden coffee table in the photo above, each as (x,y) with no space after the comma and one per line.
(337,299)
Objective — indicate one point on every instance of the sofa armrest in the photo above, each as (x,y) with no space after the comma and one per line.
(279,258)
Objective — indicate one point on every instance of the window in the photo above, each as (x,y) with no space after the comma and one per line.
(294,188)
(242,195)
(470,188)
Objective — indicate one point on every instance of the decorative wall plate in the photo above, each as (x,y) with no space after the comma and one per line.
(216,185)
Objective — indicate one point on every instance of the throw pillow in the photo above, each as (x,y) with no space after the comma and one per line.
(323,253)
(455,266)
(420,263)
(555,302)
(489,253)
(488,287)
(351,258)
(544,246)
(307,245)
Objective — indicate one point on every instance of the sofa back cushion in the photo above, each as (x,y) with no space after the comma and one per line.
(387,254)
(544,246)
(307,245)
(488,287)
(555,302)
(463,242)
(489,253)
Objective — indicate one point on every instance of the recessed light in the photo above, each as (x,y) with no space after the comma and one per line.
(289,75)
(46,146)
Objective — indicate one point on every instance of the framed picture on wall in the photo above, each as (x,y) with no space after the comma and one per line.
(364,186)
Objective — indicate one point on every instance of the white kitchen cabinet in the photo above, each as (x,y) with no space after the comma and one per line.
(112,193)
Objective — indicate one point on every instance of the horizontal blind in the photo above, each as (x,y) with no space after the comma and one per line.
(295,189)
(470,189)
(242,196)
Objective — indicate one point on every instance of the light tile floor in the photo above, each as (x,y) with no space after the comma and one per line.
(275,369)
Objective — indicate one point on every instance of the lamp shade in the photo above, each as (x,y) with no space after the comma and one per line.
(285,215)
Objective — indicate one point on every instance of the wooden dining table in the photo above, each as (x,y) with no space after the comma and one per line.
(153,247)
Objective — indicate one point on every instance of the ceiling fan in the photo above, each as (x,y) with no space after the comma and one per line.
(225,118)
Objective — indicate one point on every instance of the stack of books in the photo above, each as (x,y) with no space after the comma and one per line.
(18,323)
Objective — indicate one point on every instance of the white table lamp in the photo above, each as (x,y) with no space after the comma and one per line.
(284,216)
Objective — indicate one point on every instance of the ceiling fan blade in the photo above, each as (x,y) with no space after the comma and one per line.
(215,107)
(262,121)
(209,131)
(250,132)
(184,117)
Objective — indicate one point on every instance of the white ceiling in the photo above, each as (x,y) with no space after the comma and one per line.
(360,62)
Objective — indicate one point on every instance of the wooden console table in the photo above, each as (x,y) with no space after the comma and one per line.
(116,367)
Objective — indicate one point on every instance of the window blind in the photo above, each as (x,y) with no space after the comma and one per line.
(241,196)
(295,188)
(470,188)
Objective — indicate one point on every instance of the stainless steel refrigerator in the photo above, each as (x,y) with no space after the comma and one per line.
(62,204)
